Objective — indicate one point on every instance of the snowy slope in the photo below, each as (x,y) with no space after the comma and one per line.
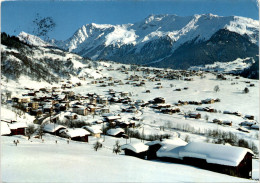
(78,162)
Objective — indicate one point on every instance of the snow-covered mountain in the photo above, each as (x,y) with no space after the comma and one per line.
(158,38)
(19,59)
(32,40)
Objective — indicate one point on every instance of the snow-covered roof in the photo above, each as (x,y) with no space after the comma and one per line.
(76,132)
(93,129)
(170,147)
(17,125)
(52,127)
(5,130)
(136,147)
(115,131)
(113,117)
(215,153)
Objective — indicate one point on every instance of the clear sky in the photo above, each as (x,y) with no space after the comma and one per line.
(17,16)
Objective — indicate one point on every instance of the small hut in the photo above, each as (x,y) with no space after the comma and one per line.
(137,149)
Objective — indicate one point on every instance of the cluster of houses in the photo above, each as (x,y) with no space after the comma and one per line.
(231,160)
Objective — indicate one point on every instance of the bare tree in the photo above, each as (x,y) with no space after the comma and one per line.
(29,131)
(97,146)
(40,131)
(117,147)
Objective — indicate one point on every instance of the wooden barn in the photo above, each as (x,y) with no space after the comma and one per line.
(95,131)
(77,134)
(154,146)
(17,128)
(137,149)
(53,128)
(117,132)
(231,160)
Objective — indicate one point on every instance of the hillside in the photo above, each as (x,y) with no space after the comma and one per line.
(39,63)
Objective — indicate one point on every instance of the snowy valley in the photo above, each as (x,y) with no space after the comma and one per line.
(76,104)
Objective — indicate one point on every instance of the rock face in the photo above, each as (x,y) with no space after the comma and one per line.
(168,40)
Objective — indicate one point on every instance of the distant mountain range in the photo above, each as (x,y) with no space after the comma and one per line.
(164,40)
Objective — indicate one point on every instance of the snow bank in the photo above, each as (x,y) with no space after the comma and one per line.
(5,130)
(51,127)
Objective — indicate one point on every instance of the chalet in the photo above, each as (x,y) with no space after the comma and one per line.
(71,116)
(112,118)
(17,128)
(229,123)
(105,110)
(169,110)
(92,108)
(250,117)
(255,127)
(247,123)
(194,115)
(158,100)
(231,160)
(208,101)
(47,108)
(94,130)
(77,134)
(81,110)
(218,121)
(124,94)
(221,77)
(242,129)
(93,101)
(36,112)
(34,105)
(117,132)
(137,149)
(53,128)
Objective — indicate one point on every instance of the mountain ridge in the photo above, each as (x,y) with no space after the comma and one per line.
(156,38)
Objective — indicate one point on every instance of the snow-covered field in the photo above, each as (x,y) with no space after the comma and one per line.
(34,161)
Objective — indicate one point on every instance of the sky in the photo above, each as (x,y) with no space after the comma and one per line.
(17,16)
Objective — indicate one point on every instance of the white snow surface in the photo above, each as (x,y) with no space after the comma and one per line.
(5,130)
(78,162)
(136,147)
